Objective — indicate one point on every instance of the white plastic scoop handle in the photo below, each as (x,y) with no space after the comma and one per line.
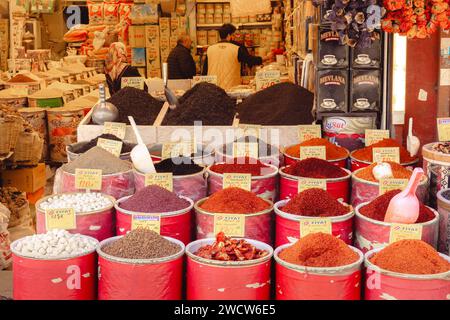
(140,156)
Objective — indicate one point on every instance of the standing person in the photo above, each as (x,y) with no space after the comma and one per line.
(117,67)
(180,62)
(224,59)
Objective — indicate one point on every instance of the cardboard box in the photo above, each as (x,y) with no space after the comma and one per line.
(137,36)
(138,57)
(25,179)
(151,36)
(164,26)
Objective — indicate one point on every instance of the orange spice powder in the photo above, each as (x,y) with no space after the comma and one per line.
(333,151)
(365,154)
(398,172)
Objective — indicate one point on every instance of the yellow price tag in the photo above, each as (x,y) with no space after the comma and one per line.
(309,183)
(405,231)
(239,180)
(443,128)
(89,179)
(134,82)
(233,225)
(116,128)
(112,146)
(308,132)
(251,130)
(164,180)
(63,218)
(386,154)
(313,152)
(315,225)
(175,149)
(374,136)
(147,221)
(245,149)
(388,184)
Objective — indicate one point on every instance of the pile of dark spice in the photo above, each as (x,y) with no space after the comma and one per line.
(141,244)
(98,158)
(243,165)
(136,103)
(154,199)
(179,166)
(315,168)
(82,148)
(315,203)
(264,149)
(377,208)
(205,102)
(281,104)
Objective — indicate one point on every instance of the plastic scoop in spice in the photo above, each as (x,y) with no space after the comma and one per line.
(140,156)
(382,170)
(404,207)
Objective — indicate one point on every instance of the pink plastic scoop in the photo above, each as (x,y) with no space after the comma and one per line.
(404,207)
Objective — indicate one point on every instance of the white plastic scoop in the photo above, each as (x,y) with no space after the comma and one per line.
(404,207)
(140,156)
(412,142)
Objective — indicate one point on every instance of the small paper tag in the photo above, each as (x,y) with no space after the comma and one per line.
(112,146)
(307,132)
(443,128)
(147,221)
(134,82)
(405,231)
(313,152)
(265,79)
(116,128)
(239,180)
(164,180)
(233,225)
(63,218)
(315,225)
(309,183)
(251,130)
(89,179)
(245,149)
(374,136)
(20,90)
(388,184)
(175,149)
(208,79)
(386,154)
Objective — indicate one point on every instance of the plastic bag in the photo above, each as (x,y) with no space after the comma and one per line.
(5,251)
(99,39)
(110,13)
(95,13)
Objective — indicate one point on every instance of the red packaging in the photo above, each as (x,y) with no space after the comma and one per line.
(287,226)
(110,13)
(337,187)
(95,13)
(387,285)
(227,280)
(294,282)
(140,279)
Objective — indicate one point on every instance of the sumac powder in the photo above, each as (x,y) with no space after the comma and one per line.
(243,165)
(179,166)
(234,200)
(315,168)
(376,209)
(82,148)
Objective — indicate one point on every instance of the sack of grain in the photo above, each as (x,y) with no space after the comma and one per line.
(5,252)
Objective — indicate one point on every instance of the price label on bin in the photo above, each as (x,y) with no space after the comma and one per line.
(313,152)
(134,82)
(175,149)
(63,218)
(373,136)
(386,154)
(309,183)
(115,128)
(388,184)
(147,221)
(112,146)
(443,128)
(266,79)
(405,231)
(251,130)
(315,225)
(208,79)
(88,179)
(245,149)
(307,132)
(163,179)
(239,180)
(232,225)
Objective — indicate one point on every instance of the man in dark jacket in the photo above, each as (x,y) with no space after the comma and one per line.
(180,62)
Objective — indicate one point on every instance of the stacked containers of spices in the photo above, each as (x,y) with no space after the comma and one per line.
(436,165)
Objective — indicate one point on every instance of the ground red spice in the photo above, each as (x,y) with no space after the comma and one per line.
(315,168)
(398,172)
(410,257)
(333,151)
(365,154)
(377,208)
(234,200)
(319,250)
(243,165)
(20,78)
(315,203)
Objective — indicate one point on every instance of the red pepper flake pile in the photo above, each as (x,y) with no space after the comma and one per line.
(319,250)
(410,257)
(227,249)
(376,209)
(366,154)
(315,203)
(243,165)
(234,200)
(315,168)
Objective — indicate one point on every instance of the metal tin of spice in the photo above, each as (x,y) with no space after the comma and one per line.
(368,57)
(332,86)
(331,53)
(365,90)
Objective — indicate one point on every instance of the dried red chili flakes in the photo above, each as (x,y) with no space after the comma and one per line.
(227,249)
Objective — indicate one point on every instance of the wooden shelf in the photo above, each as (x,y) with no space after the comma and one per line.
(237,25)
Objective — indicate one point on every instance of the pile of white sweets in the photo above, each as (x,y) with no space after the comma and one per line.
(54,244)
(80,202)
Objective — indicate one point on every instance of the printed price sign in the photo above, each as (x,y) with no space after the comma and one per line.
(245,149)
(309,183)
(313,152)
(315,225)
(307,132)
(388,184)
(374,136)
(233,225)
(134,82)
(20,90)
(164,180)
(175,149)
(405,231)
(89,179)
(112,146)
(115,128)
(63,218)
(386,154)
(443,128)
(208,79)
(146,221)
(252,130)
(239,180)
(265,79)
